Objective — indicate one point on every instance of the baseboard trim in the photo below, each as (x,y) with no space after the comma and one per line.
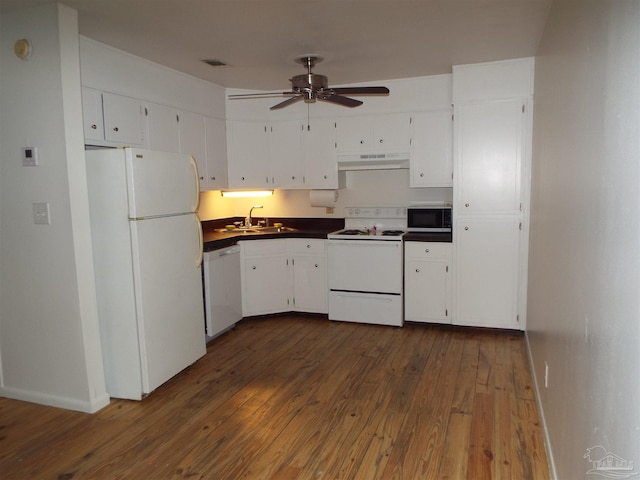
(547,441)
(56,401)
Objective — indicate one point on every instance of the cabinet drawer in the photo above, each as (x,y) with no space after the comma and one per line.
(427,250)
(309,246)
(252,248)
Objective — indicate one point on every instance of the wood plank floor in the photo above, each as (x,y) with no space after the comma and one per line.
(300,397)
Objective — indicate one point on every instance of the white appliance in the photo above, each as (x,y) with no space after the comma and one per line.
(147,249)
(365,267)
(222,289)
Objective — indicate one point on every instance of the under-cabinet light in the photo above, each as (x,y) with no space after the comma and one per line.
(246,193)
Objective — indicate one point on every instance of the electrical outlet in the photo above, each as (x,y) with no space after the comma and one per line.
(41,214)
(546,375)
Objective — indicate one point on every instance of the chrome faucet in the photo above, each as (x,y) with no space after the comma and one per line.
(248,222)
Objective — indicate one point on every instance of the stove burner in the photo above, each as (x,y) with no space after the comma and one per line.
(393,232)
(353,231)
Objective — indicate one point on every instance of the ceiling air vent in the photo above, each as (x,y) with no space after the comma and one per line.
(214,62)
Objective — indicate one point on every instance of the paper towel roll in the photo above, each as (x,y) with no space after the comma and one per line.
(323,198)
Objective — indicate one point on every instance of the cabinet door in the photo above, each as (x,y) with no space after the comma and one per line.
(285,154)
(310,283)
(489,140)
(162,127)
(266,285)
(248,155)
(431,163)
(92,114)
(392,133)
(354,134)
(425,291)
(487,264)
(193,142)
(319,154)
(216,137)
(123,119)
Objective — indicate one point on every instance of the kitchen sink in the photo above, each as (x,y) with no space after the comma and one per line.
(257,229)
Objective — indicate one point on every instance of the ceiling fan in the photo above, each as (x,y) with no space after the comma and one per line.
(311,87)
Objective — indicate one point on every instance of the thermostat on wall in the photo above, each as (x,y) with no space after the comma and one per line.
(30,157)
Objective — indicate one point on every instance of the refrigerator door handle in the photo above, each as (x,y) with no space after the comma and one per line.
(194,164)
(201,241)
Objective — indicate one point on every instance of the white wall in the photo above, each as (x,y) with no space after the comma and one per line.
(49,339)
(584,268)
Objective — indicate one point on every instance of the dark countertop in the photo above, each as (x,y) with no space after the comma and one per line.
(214,239)
(428,237)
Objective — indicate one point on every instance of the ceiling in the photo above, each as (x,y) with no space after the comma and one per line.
(360,40)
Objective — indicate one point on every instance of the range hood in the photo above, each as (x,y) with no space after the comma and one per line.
(373,161)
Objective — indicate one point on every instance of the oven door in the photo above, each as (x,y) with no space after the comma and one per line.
(365,266)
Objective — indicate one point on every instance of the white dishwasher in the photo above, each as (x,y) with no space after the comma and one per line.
(222,289)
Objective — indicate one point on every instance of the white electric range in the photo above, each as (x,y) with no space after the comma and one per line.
(365,266)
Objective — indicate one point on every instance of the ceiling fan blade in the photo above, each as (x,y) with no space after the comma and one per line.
(287,102)
(262,95)
(340,100)
(361,91)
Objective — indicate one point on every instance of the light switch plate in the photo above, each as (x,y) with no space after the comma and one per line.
(41,214)
(30,157)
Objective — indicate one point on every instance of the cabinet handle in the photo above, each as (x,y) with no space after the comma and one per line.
(417,270)
(202,178)
(325,177)
(94,127)
(308,246)
(253,268)
(293,177)
(466,228)
(361,142)
(242,178)
(213,178)
(466,204)
(381,140)
(426,250)
(316,265)
(116,129)
(422,174)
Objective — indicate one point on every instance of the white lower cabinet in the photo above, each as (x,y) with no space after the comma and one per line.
(427,282)
(309,257)
(487,272)
(280,275)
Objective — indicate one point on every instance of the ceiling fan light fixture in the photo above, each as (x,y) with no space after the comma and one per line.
(312,87)
(214,62)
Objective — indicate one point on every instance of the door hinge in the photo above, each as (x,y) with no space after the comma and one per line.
(177,118)
(520,226)
(146,112)
(517,318)
(522,108)
(447,269)
(446,312)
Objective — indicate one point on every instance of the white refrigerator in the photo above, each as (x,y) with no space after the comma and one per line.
(147,249)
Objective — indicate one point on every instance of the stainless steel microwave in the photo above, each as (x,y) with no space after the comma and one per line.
(429,218)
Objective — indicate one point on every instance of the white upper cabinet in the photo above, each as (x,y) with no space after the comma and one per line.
(192,140)
(431,163)
(123,120)
(388,133)
(285,154)
(490,150)
(112,120)
(248,149)
(216,138)
(92,114)
(319,154)
(162,127)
